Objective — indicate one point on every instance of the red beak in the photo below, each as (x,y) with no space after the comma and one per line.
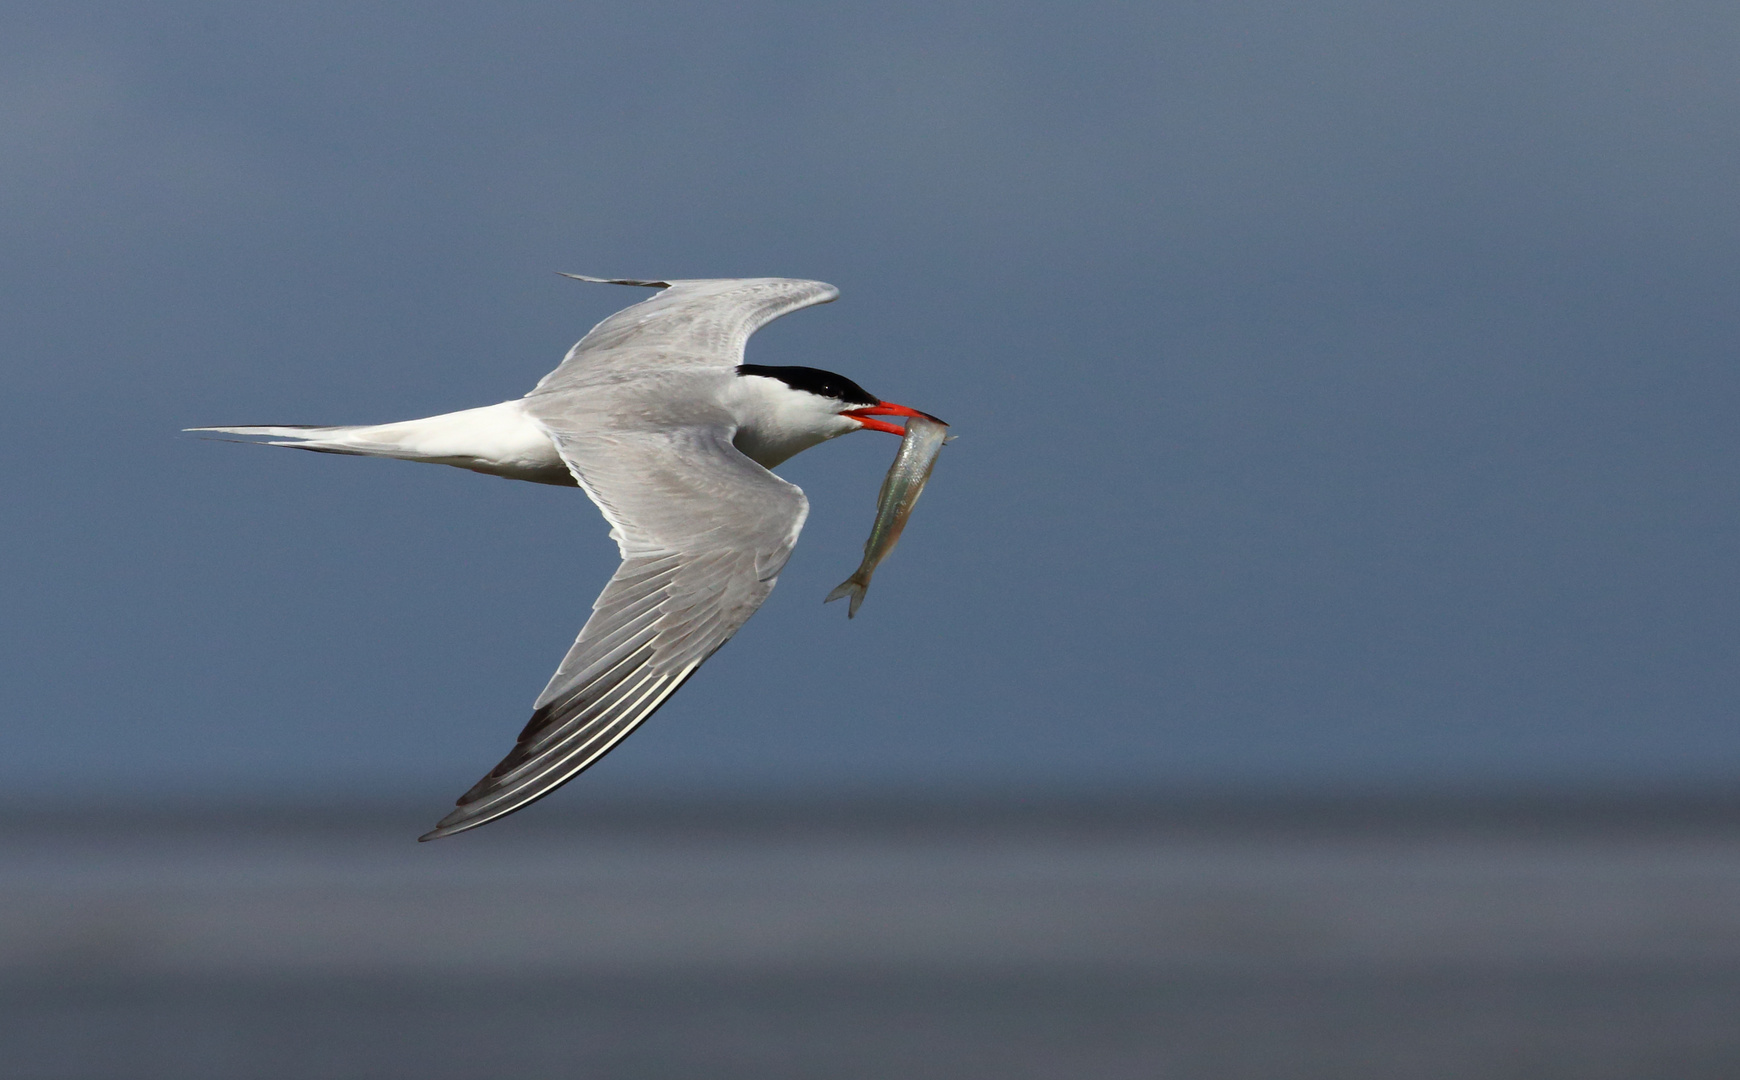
(884,408)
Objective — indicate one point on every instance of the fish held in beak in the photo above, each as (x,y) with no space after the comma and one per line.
(920,444)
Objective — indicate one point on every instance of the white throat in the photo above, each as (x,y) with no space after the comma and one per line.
(775,422)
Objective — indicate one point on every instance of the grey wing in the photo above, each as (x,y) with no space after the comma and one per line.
(704,533)
(700,324)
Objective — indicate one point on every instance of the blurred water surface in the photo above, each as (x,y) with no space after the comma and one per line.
(1225,938)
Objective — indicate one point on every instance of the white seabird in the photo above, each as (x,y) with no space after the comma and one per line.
(656,417)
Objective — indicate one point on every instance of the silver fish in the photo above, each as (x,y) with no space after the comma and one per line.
(901,488)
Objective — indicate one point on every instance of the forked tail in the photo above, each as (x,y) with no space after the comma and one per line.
(325,440)
(501,440)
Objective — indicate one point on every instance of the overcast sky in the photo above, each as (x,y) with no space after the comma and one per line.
(1347,392)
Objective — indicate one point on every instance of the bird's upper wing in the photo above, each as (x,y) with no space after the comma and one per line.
(701,324)
(704,533)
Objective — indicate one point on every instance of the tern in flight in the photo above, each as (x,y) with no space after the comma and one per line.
(657,418)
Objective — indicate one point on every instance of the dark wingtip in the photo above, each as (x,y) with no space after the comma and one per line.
(456,822)
(617,281)
(445,828)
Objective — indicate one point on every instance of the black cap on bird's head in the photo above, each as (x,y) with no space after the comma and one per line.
(813,381)
(826,384)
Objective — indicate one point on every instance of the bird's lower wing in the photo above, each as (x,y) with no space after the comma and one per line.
(705,532)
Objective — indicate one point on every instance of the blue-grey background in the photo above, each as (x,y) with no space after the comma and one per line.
(1346,391)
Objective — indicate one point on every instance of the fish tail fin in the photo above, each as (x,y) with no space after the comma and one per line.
(855,587)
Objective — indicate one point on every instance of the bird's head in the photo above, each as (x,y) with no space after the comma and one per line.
(807,389)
